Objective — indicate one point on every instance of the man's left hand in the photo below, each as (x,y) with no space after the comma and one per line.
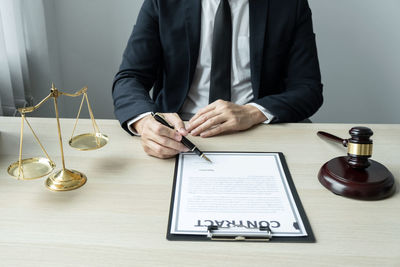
(224,117)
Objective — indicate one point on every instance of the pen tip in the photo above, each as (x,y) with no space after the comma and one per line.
(204,156)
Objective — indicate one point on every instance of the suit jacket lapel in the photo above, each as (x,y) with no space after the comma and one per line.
(258,26)
(193,28)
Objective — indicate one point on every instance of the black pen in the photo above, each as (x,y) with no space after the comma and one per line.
(158,117)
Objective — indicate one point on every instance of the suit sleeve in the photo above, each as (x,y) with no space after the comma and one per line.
(139,67)
(302,95)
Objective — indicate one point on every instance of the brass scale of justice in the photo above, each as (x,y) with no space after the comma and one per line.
(38,167)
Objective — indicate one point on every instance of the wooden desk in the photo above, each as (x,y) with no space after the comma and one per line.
(120,216)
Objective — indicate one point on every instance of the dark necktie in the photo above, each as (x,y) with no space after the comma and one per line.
(220,80)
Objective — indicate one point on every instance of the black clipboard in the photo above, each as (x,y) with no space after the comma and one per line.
(310,238)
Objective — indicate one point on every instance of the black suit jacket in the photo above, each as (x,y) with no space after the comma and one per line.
(164,46)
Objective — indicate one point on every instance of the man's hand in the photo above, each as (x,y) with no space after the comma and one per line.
(159,140)
(223,117)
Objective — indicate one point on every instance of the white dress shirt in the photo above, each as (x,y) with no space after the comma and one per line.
(241,88)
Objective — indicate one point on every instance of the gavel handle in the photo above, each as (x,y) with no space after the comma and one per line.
(333,138)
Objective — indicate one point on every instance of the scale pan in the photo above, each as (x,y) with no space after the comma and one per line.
(89,141)
(32,168)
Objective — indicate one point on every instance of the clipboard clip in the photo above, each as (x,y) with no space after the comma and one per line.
(239,233)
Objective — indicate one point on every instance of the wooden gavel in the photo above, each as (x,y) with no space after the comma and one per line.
(359,146)
(355,175)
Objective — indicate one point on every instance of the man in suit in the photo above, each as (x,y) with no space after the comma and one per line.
(226,65)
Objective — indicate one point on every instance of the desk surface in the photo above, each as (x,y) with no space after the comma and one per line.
(120,216)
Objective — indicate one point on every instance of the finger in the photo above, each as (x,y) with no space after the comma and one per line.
(202,111)
(170,143)
(166,141)
(156,150)
(177,122)
(165,136)
(158,129)
(202,119)
(222,128)
(210,123)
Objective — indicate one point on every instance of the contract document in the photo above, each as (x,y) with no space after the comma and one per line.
(246,190)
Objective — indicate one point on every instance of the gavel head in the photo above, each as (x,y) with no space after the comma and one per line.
(359,147)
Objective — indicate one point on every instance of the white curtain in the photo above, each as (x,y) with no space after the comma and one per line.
(14,74)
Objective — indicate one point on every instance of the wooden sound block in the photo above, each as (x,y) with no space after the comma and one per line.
(372,183)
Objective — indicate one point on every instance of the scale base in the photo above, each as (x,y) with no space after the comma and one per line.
(65,180)
(373,183)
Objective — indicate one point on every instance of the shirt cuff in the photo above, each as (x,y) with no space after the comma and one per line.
(266,113)
(135,119)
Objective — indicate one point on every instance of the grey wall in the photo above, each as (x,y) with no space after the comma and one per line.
(85,40)
(358,42)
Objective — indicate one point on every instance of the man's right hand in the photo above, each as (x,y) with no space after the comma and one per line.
(159,140)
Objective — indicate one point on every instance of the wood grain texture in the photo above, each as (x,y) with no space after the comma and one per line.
(119,218)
